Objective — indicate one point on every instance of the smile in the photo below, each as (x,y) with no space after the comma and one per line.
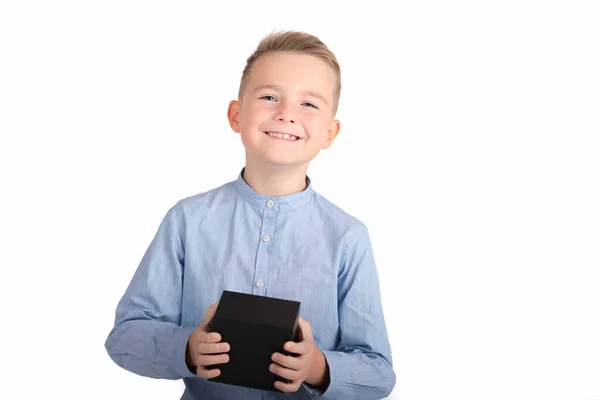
(284,136)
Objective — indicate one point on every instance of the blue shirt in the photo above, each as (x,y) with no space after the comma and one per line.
(298,247)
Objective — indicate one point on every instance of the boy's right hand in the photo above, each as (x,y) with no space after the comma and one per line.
(204,348)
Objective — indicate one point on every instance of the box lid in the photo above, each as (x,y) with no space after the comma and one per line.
(258,309)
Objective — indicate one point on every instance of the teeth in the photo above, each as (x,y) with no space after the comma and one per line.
(283,136)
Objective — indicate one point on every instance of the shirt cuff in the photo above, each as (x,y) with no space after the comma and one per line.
(312,391)
(333,391)
(178,353)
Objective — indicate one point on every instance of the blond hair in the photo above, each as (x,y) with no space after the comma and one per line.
(298,42)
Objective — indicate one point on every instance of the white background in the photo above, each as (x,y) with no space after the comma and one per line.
(469,146)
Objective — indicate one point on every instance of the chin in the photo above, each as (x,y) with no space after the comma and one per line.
(277,158)
(279,161)
(283,163)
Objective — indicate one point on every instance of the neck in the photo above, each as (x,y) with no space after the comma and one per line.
(275,181)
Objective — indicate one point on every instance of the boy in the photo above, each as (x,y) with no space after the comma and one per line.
(266,233)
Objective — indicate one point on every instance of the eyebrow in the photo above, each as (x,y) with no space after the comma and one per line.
(276,87)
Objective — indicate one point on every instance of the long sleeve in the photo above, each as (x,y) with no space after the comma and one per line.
(147,338)
(361,367)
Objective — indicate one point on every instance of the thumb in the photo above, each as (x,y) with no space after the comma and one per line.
(305,331)
(210,313)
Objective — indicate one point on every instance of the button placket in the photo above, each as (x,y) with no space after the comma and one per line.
(261,270)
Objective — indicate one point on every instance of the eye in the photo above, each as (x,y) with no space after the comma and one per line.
(310,105)
(268,98)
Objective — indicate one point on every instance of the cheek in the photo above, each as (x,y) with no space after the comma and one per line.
(253,115)
(317,124)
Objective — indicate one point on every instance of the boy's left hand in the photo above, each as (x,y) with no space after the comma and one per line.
(309,365)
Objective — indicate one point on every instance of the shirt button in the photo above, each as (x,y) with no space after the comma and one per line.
(270,203)
(266,238)
(260,283)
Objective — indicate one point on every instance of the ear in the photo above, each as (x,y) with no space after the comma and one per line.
(233,115)
(334,129)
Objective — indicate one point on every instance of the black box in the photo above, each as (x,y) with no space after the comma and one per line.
(255,327)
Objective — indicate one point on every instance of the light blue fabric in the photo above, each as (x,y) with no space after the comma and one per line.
(299,247)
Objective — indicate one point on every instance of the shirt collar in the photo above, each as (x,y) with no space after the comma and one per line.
(282,202)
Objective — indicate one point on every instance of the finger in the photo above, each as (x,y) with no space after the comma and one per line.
(203,360)
(283,372)
(290,362)
(297,348)
(208,337)
(288,387)
(207,373)
(212,348)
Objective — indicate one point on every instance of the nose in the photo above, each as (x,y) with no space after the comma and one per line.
(286,118)
(285,114)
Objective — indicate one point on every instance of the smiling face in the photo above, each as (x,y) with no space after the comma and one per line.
(285,113)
